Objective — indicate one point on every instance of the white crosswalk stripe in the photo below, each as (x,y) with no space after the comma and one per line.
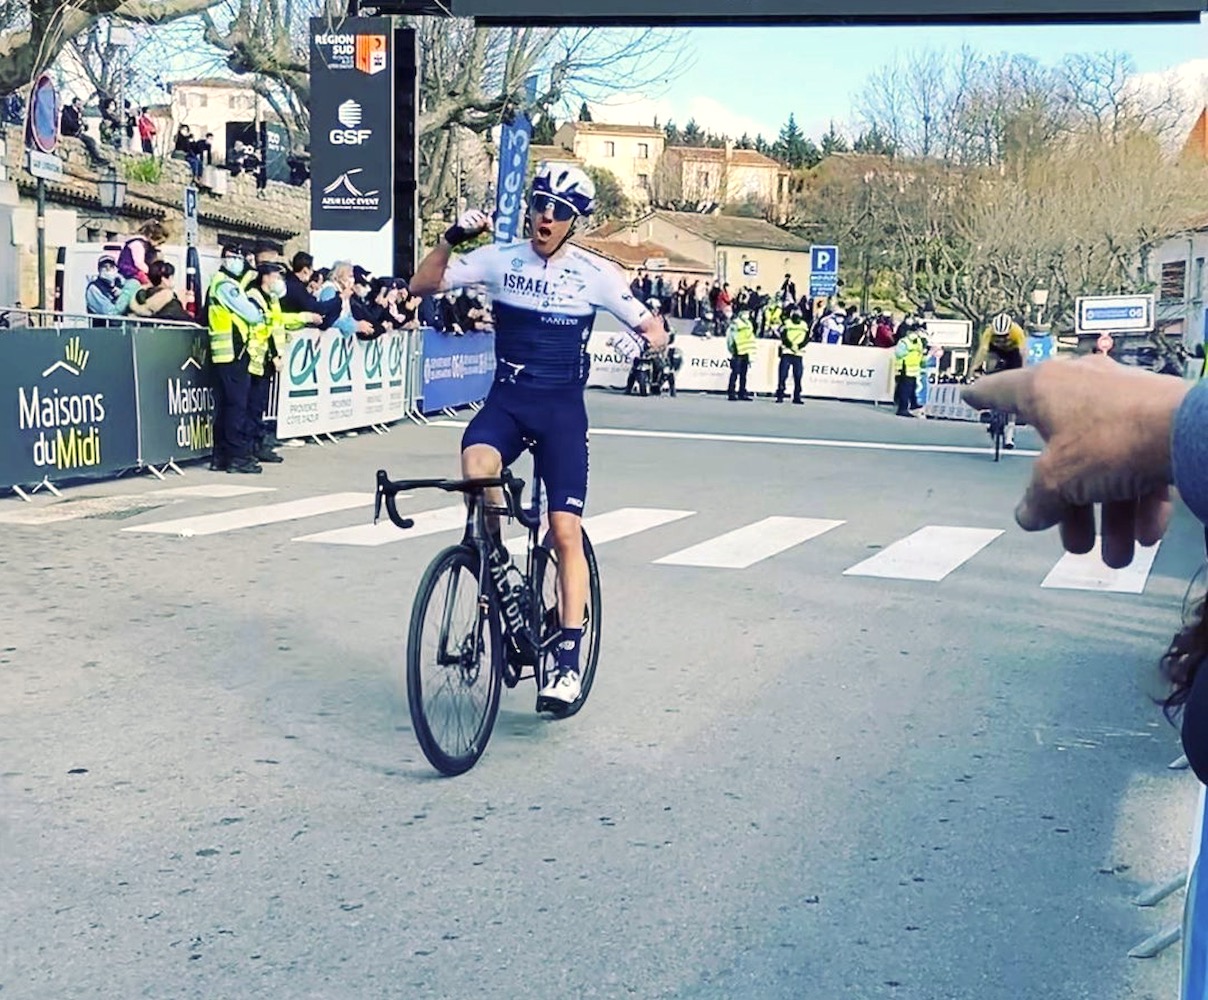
(1090,572)
(615,524)
(427,522)
(930,553)
(253,517)
(743,547)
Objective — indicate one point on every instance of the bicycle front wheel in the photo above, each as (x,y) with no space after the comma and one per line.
(453,650)
(549,594)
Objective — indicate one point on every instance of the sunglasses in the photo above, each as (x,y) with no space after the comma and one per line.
(542,203)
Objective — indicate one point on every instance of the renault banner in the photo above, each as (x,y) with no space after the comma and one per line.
(352,139)
(67,403)
(175,402)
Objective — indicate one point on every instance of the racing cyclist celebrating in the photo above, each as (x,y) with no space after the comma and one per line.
(1006,340)
(544,297)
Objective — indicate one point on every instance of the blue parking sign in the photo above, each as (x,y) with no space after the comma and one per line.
(824,271)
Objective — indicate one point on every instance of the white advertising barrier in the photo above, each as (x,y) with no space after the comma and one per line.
(330,382)
(944,402)
(836,371)
(706,366)
(831,371)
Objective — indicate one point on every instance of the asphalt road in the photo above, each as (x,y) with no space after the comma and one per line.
(789,782)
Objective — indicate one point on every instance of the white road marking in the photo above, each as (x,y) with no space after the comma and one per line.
(213,491)
(930,553)
(427,522)
(1089,572)
(941,449)
(253,517)
(747,545)
(614,524)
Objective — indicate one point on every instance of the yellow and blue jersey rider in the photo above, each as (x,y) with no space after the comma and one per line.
(1007,342)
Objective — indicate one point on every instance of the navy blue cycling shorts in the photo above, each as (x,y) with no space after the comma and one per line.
(556,419)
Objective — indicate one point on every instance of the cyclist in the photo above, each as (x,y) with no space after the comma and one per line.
(1006,340)
(544,297)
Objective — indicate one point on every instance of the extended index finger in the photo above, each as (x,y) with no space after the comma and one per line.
(1001,391)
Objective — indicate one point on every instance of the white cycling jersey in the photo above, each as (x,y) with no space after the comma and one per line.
(544,309)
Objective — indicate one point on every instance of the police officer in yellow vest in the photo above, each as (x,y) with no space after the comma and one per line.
(793,337)
(908,362)
(231,316)
(740,339)
(266,293)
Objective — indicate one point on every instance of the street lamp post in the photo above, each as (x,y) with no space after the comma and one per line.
(111,190)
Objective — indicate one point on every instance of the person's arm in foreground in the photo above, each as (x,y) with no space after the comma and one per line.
(1114,435)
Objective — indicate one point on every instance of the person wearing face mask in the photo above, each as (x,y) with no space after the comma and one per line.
(266,294)
(231,315)
(107,294)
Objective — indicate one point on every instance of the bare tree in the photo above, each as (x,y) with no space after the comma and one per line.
(470,77)
(33,34)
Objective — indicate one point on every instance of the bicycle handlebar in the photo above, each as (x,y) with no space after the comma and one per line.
(388,489)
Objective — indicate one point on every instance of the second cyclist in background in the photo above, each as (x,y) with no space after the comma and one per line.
(1006,341)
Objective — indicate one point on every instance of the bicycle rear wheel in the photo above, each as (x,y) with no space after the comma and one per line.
(545,577)
(453,649)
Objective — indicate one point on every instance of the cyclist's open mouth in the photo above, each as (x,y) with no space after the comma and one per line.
(544,232)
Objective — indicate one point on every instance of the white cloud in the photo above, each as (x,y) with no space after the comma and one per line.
(1188,80)
(710,115)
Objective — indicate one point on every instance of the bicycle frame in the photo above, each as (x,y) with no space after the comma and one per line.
(522,630)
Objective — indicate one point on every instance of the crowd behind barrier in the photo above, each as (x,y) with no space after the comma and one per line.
(92,402)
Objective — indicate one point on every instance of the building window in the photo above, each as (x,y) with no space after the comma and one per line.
(643,151)
(704,179)
(1174,281)
(610,149)
(644,182)
(1197,289)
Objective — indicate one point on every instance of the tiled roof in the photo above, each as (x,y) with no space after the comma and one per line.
(602,127)
(555,153)
(710,154)
(729,230)
(1196,146)
(212,81)
(628,255)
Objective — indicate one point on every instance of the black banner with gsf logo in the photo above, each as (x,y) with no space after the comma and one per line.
(351,124)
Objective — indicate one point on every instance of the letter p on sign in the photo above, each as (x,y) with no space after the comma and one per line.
(824,260)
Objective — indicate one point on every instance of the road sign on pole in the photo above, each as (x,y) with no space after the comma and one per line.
(191,234)
(1105,342)
(824,271)
(1114,314)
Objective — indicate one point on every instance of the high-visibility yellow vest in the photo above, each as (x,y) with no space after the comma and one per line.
(274,328)
(792,341)
(222,323)
(742,335)
(911,363)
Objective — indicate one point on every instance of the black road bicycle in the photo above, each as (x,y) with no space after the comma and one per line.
(478,619)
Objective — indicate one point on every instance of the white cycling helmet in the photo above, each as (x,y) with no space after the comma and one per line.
(566,183)
(1002,324)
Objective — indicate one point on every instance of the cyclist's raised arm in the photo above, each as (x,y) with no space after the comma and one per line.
(983,348)
(435,272)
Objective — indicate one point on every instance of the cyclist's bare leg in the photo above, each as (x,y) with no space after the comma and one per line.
(566,530)
(481,461)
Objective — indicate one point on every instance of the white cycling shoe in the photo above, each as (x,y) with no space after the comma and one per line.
(562,689)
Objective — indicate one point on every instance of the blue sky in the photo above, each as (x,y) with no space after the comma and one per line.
(751,78)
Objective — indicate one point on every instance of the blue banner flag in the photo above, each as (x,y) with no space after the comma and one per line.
(513,169)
